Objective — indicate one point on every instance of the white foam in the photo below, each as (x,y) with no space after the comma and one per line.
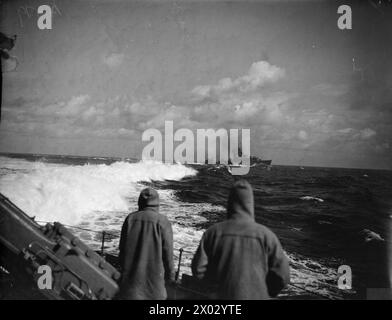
(308,198)
(64,193)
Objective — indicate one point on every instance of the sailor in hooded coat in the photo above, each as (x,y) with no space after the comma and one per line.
(244,259)
(146,251)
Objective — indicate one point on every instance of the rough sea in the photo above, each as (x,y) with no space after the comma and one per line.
(324,217)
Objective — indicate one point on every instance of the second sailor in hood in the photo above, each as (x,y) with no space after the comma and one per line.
(244,259)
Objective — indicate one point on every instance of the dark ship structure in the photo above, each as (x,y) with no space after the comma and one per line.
(77,271)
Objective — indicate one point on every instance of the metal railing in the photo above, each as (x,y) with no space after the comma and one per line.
(112,236)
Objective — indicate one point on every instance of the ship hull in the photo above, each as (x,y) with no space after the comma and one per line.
(77,271)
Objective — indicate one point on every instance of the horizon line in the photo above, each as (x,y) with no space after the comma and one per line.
(133,158)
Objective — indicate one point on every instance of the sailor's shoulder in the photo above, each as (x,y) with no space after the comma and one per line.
(130,216)
(267,234)
(217,228)
(163,220)
(262,227)
(140,216)
(152,216)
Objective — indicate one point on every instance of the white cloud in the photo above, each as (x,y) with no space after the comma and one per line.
(367,133)
(302,135)
(238,104)
(346,130)
(260,73)
(114,60)
(75,106)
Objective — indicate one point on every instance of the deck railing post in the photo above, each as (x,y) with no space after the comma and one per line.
(103,242)
(179,264)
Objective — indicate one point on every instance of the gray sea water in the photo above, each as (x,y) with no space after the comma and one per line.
(323,216)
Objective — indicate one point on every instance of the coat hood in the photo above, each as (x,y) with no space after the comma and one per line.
(241,203)
(148,198)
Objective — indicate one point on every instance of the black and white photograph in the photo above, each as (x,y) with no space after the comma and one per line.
(203,150)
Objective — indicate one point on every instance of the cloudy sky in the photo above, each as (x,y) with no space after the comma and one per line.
(108,70)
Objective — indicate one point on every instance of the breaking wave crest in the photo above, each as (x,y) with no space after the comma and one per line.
(309,198)
(54,192)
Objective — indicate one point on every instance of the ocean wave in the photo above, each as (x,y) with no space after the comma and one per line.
(312,276)
(369,235)
(308,198)
(54,192)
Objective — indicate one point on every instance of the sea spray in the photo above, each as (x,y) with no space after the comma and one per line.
(52,192)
